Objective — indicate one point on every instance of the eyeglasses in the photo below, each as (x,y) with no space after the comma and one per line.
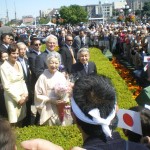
(38,44)
(69,40)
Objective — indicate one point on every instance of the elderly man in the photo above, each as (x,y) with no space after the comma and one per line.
(27,77)
(84,67)
(40,62)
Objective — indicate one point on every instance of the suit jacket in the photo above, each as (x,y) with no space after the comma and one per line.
(31,59)
(40,63)
(14,86)
(85,43)
(76,45)
(61,42)
(67,58)
(27,76)
(3,48)
(79,71)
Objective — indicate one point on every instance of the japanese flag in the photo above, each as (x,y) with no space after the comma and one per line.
(130,120)
(146,58)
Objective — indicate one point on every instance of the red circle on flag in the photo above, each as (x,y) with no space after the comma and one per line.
(128,120)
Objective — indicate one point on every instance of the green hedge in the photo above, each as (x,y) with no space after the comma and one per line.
(104,66)
(70,136)
(67,137)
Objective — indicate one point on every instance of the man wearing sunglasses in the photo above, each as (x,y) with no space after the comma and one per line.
(35,51)
(67,54)
(36,45)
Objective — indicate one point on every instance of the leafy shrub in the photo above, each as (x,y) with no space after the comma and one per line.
(67,137)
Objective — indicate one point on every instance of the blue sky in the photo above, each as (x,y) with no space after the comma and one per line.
(32,7)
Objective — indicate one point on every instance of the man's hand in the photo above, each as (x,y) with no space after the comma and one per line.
(39,144)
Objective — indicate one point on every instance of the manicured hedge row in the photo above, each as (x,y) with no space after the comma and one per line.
(67,137)
(104,66)
(70,136)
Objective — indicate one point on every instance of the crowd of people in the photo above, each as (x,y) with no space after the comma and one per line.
(62,80)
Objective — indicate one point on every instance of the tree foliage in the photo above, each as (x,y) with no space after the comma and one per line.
(73,14)
(44,20)
(146,8)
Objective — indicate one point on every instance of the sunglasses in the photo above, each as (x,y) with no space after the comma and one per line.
(69,40)
(37,44)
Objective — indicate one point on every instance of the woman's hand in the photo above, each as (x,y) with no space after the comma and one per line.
(24,98)
(58,102)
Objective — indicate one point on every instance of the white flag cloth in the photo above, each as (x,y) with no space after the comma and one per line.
(130,120)
(147,106)
(146,58)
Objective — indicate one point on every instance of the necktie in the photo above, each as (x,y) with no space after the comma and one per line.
(86,68)
(24,66)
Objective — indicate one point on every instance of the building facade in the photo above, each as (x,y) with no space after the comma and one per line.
(107,10)
(28,20)
(136,4)
(100,10)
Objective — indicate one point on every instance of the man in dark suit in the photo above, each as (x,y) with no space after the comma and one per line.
(62,39)
(5,39)
(67,54)
(76,42)
(36,45)
(25,66)
(40,62)
(84,39)
(32,54)
(84,67)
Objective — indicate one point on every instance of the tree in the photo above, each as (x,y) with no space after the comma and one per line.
(146,8)
(115,12)
(138,12)
(73,14)
(44,20)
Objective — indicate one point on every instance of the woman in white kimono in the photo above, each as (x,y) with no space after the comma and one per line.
(15,90)
(46,100)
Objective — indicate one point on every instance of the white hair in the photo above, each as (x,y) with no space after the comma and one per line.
(20,44)
(53,55)
(82,50)
(51,37)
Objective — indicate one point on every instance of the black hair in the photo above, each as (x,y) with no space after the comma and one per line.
(1,53)
(4,35)
(12,48)
(95,91)
(34,39)
(7,137)
(76,32)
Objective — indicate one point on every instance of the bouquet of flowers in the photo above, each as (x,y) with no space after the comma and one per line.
(63,91)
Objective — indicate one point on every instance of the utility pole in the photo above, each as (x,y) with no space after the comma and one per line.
(15,11)
(7,11)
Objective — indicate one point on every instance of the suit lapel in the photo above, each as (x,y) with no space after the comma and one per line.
(24,74)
